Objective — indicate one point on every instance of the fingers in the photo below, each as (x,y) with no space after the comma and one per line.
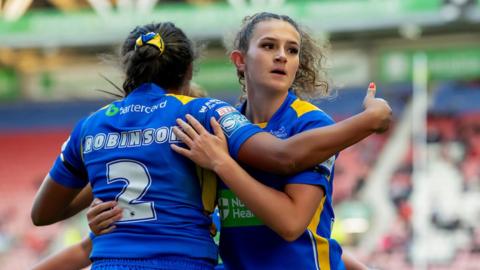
(187,129)
(96,201)
(372,89)
(108,218)
(193,128)
(98,206)
(102,215)
(217,129)
(190,131)
(103,222)
(107,230)
(180,150)
(195,124)
(182,135)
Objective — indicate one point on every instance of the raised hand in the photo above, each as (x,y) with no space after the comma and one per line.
(381,111)
(205,149)
(102,216)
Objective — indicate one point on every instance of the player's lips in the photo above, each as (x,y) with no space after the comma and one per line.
(279,71)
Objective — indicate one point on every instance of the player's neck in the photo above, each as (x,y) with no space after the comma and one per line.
(261,105)
(182,90)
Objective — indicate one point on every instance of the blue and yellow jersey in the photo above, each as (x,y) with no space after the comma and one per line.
(124,151)
(246,243)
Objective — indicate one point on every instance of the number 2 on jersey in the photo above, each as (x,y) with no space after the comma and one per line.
(137,179)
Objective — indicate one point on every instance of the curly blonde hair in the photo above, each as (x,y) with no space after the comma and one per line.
(311,80)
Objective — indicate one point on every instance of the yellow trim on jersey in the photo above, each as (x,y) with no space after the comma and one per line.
(322,244)
(302,107)
(208,185)
(262,125)
(183,99)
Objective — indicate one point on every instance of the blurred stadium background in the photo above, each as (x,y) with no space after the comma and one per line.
(408,199)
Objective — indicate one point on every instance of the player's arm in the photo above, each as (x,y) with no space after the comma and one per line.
(312,147)
(80,202)
(57,197)
(302,151)
(287,213)
(51,203)
(351,263)
(54,202)
(71,258)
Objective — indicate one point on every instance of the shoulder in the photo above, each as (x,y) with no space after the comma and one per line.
(211,106)
(301,107)
(308,112)
(182,99)
(198,101)
(109,109)
(102,114)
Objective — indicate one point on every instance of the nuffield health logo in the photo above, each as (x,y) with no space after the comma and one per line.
(233,212)
(223,207)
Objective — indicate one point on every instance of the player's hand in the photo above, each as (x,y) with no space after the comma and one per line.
(103,215)
(379,110)
(205,149)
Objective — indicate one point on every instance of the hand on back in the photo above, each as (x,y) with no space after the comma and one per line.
(205,149)
(102,216)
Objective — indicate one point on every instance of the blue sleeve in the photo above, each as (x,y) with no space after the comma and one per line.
(68,169)
(235,125)
(320,175)
(310,178)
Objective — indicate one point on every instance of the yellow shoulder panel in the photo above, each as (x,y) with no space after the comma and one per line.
(302,107)
(262,125)
(183,99)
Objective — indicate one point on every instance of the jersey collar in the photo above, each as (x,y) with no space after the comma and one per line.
(149,89)
(291,97)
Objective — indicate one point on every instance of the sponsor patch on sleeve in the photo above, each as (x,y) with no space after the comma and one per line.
(232,121)
(225,110)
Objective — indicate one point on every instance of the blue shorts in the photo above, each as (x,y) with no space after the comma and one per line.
(163,263)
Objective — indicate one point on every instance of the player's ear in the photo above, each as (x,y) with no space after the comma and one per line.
(238,60)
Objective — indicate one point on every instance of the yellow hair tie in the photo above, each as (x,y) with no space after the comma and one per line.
(151,38)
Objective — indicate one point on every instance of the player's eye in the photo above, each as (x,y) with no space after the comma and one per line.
(293,50)
(268,45)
